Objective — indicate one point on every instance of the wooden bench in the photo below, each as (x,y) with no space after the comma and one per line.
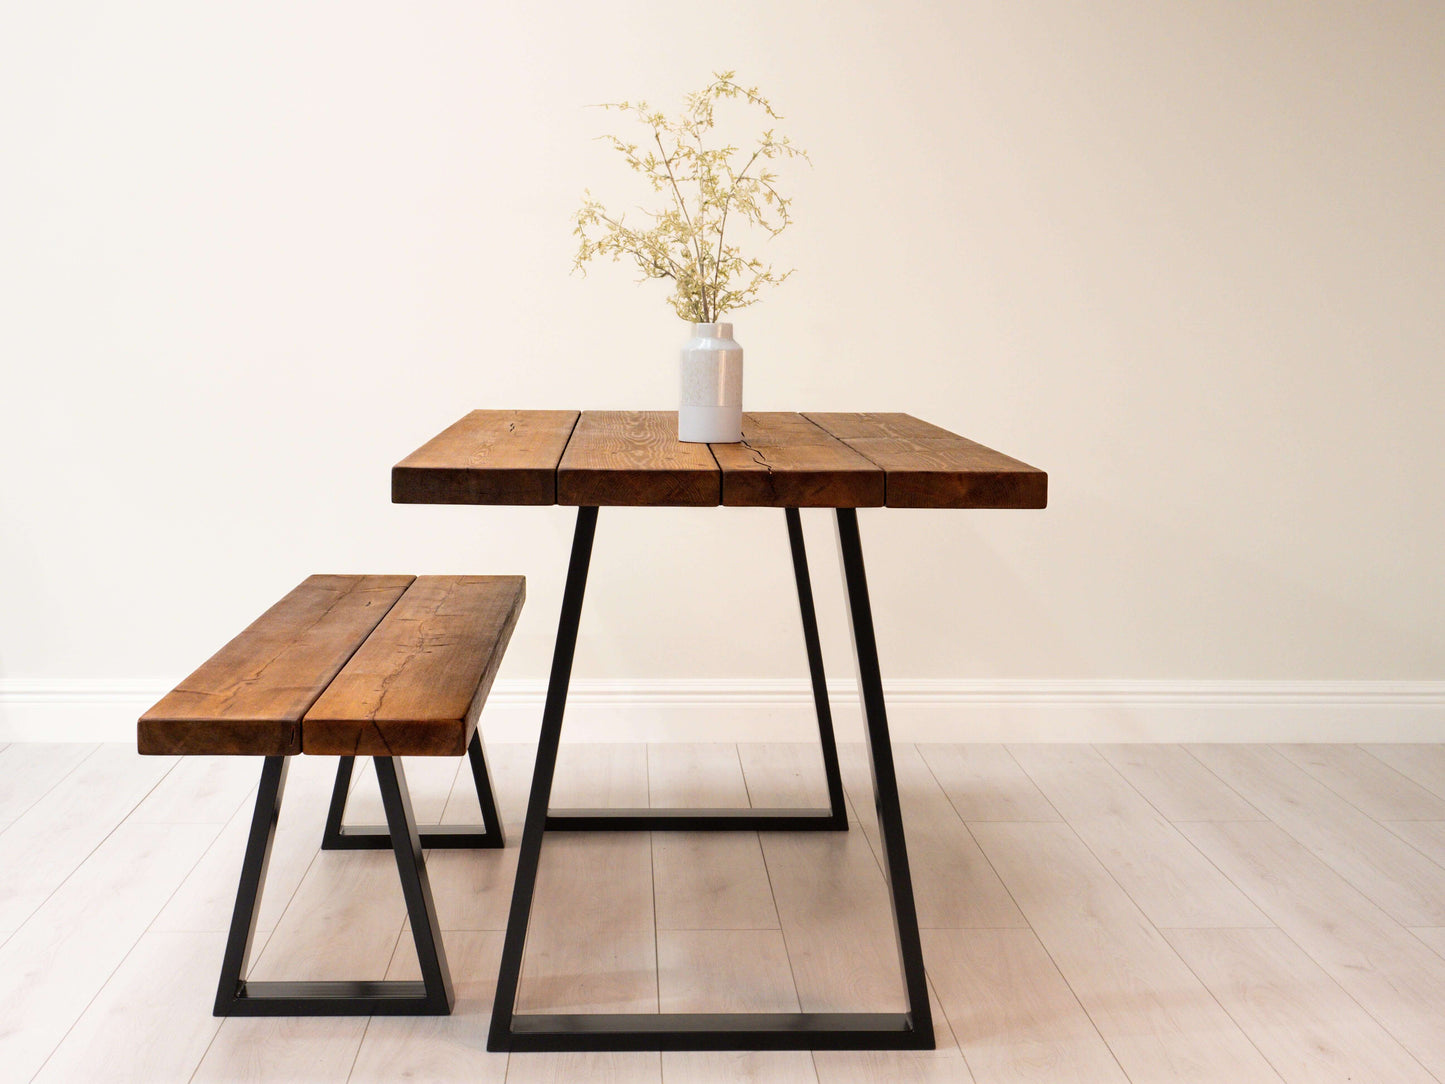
(379,666)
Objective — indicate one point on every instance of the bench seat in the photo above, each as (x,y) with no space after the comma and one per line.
(344,666)
(380,666)
(418,683)
(249,698)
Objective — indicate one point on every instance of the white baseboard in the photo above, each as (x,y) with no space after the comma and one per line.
(918,710)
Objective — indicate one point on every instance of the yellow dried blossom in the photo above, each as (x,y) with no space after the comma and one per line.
(703,188)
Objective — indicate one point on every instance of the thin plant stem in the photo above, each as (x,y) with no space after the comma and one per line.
(682,206)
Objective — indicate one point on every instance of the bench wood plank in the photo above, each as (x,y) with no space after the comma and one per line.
(489,457)
(634,458)
(785,461)
(249,697)
(417,685)
(929,467)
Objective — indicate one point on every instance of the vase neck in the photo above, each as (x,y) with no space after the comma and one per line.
(712,331)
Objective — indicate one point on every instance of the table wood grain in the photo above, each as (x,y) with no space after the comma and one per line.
(828,460)
(634,458)
(785,461)
(488,457)
(929,467)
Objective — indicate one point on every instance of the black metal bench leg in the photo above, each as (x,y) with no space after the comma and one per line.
(334,836)
(834,818)
(253,875)
(237,996)
(365,837)
(912,1029)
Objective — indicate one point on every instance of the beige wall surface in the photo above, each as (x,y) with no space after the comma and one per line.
(1187,257)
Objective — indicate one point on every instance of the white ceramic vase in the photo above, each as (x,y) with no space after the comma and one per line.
(710,409)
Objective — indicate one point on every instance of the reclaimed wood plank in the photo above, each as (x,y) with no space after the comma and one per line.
(785,461)
(249,697)
(418,683)
(929,467)
(634,458)
(488,457)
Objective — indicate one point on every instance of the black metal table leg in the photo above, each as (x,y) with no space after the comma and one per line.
(885,780)
(500,1037)
(832,819)
(238,996)
(368,837)
(824,711)
(911,1029)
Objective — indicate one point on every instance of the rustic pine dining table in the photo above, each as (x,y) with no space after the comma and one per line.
(592,459)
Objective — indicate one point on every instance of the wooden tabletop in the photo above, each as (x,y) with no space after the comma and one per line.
(605,457)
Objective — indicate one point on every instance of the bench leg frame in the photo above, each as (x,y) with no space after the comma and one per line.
(432,996)
(367,837)
(911,1029)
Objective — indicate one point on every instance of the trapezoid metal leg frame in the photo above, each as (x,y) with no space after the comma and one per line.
(833,819)
(238,996)
(367,837)
(911,1029)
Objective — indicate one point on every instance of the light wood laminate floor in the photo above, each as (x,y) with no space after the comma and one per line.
(1091,913)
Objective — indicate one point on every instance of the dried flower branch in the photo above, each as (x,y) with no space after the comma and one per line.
(686,241)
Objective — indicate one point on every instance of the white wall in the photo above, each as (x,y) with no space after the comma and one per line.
(1187,257)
